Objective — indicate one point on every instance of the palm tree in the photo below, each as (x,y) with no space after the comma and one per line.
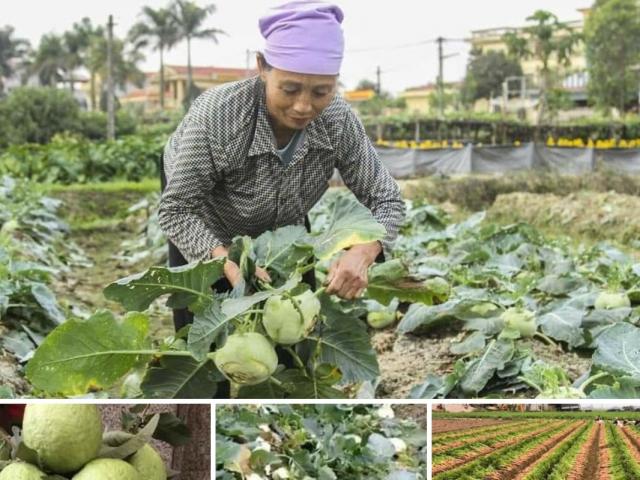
(125,63)
(157,29)
(11,50)
(77,42)
(189,18)
(50,60)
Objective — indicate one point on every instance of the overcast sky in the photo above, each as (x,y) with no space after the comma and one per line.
(383,33)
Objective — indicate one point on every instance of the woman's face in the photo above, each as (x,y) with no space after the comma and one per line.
(295,99)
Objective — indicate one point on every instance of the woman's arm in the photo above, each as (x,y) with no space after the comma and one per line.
(189,182)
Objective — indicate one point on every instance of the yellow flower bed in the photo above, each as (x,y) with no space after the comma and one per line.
(551,142)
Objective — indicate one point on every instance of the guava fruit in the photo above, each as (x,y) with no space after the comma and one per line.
(282,320)
(149,464)
(246,358)
(21,471)
(520,319)
(107,469)
(65,436)
(611,300)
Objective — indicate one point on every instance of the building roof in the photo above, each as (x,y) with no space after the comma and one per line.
(208,71)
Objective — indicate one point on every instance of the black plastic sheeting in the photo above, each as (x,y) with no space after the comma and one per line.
(406,163)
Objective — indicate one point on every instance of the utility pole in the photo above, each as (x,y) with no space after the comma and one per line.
(440,41)
(111,120)
(378,86)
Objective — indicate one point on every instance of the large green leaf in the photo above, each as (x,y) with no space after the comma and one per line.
(618,350)
(181,377)
(351,224)
(482,369)
(391,280)
(564,324)
(345,343)
(88,355)
(207,324)
(283,250)
(422,317)
(188,284)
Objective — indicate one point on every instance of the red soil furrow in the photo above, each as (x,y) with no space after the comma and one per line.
(451,425)
(632,442)
(604,457)
(518,468)
(474,454)
(585,465)
(480,438)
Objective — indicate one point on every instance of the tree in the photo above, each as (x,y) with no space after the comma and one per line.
(485,74)
(551,43)
(125,64)
(189,18)
(612,38)
(77,42)
(366,84)
(157,29)
(50,60)
(12,50)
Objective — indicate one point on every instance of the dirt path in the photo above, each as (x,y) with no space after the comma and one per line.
(475,454)
(586,463)
(604,456)
(521,467)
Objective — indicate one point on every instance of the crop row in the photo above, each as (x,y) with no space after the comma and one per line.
(483,437)
(576,451)
(480,462)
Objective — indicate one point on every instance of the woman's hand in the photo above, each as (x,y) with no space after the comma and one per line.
(232,270)
(348,274)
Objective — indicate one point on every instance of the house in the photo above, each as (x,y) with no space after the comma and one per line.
(175,85)
(423,99)
(521,94)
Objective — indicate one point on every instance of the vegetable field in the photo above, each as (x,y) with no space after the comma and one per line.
(522,447)
(262,442)
(480,306)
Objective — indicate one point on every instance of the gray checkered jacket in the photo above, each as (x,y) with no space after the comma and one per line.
(224,177)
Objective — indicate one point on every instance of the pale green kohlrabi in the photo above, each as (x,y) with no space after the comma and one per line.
(246,358)
(287,324)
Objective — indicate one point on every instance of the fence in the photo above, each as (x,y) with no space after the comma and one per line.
(406,163)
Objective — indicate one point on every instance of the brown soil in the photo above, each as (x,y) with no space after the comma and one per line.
(604,456)
(586,465)
(455,424)
(472,455)
(520,468)
(418,413)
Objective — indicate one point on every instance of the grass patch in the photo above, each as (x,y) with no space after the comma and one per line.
(96,206)
(148,185)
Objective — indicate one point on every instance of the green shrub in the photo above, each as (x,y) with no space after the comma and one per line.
(93,125)
(36,114)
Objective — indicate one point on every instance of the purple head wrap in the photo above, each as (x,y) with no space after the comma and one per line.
(304,37)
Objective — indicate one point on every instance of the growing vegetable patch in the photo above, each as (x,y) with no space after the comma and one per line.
(318,441)
(234,335)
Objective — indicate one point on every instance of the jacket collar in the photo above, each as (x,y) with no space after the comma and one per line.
(316,135)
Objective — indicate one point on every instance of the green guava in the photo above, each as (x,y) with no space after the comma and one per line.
(65,436)
(520,319)
(246,358)
(282,320)
(149,464)
(611,300)
(107,469)
(21,471)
